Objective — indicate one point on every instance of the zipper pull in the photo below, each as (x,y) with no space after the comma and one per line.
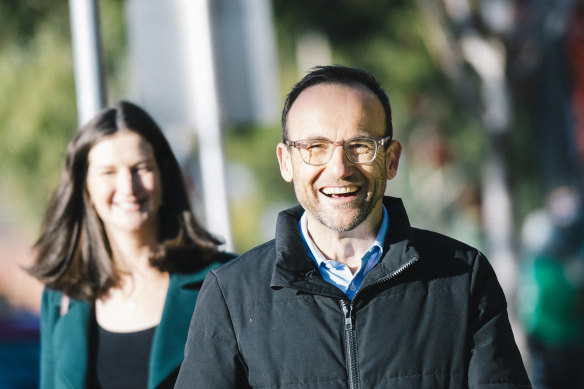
(348,316)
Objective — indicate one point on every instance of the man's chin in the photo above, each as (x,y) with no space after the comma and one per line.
(341,224)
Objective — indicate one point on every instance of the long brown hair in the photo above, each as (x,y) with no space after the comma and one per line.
(73,254)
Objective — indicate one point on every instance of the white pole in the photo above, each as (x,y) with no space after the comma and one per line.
(89,83)
(196,26)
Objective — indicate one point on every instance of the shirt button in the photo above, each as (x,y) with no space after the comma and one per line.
(352,287)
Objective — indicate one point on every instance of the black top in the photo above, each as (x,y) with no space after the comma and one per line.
(122,358)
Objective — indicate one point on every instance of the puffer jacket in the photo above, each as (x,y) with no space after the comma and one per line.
(431,314)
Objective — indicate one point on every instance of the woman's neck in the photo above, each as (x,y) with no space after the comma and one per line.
(132,253)
(138,301)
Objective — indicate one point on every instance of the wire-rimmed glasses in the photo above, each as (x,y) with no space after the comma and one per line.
(318,152)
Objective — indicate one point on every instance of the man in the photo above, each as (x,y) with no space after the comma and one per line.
(348,295)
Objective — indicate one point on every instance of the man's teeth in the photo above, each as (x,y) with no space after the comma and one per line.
(340,190)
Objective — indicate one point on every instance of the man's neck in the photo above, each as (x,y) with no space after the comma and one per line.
(346,247)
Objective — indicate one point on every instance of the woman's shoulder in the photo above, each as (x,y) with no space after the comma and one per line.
(56,304)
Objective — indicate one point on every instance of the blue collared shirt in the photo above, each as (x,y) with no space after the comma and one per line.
(338,273)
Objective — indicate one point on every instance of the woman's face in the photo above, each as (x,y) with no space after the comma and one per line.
(123,182)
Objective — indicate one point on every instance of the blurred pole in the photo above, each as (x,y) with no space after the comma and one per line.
(196,23)
(246,61)
(488,58)
(89,83)
(174,78)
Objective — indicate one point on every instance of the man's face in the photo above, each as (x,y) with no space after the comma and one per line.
(339,195)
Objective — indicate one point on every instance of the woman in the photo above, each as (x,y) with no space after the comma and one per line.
(122,258)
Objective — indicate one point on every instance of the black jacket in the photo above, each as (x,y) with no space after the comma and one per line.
(431,314)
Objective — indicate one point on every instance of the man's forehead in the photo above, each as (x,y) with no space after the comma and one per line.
(334,87)
(333,101)
(324,95)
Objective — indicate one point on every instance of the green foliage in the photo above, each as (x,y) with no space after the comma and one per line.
(254,149)
(388,38)
(347,22)
(114,44)
(21,20)
(393,40)
(39,114)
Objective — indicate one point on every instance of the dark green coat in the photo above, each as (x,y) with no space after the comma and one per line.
(65,339)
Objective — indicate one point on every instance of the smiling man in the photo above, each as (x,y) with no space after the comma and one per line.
(348,295)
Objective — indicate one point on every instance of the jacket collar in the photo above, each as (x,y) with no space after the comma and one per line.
(167,352)
(399,242)
(74,329)
(293,268)
(168,345)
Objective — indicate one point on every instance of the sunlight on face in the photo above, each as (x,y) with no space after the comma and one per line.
(124,185)
(339,195)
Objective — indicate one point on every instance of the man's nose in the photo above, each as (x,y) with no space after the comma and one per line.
(339,165)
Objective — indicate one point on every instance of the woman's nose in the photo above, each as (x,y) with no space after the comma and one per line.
(126,182)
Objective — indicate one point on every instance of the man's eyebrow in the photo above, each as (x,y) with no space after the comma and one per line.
(314,138)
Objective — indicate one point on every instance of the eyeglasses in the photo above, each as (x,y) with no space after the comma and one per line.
(319,152)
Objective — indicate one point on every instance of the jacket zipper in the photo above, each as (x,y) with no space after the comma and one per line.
(350,336)
(395,273)
(351,345)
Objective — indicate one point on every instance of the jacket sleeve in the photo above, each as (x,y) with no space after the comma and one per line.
(212,358)
(494,357)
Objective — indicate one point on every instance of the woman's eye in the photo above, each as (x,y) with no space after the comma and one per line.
(143,169)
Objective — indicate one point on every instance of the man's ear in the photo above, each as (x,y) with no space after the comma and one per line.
(392,155)
(285,162)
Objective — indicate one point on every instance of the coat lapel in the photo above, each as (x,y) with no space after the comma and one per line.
(169,341)
(71,345)
(73,331)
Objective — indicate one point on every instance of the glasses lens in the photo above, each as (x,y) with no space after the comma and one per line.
(316,152)
(319,152)
(361,150)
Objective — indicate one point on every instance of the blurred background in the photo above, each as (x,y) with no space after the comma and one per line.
(487,98)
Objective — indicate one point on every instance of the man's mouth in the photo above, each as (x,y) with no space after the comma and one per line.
(341,191)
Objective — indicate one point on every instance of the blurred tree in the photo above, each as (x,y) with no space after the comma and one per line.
(38,113)
(394,41)
(38,110)
(416,49)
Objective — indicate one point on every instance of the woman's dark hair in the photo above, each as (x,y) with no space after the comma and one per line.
(343,75)
(73,254)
